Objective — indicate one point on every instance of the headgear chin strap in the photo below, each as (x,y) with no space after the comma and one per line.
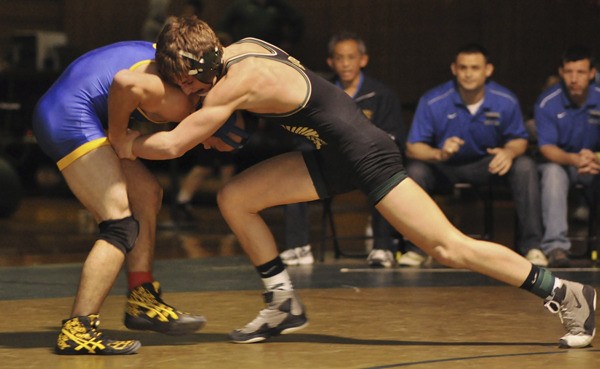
(205,68)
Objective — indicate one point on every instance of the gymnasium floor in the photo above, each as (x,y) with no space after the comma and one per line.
(359,317)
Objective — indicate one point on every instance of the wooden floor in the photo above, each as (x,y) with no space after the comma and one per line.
(430,327)
(359,317)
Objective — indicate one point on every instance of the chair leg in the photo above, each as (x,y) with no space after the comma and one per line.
(324,234)
(327,222)
(337,252)
(592,244)
(488,213)
(485,194)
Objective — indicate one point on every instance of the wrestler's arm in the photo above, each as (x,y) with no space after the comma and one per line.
(193,130)
(128,91)
(222,101)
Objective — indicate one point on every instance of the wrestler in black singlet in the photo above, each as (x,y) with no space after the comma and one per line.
(351,152)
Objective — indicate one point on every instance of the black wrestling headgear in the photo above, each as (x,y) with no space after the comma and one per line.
(205,68)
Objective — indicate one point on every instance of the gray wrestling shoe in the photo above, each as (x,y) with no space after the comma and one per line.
(284,314)
(575,304)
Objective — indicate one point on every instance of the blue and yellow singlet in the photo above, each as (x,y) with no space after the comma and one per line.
(71,118)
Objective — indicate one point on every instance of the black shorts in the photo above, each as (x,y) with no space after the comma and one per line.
(376,171)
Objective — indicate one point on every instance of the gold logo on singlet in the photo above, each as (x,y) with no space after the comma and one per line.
(368,113)
(296,62)
(309,133)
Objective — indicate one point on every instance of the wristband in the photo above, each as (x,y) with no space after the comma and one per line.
(230,127)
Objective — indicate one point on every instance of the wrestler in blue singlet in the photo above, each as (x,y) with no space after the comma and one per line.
(71,118)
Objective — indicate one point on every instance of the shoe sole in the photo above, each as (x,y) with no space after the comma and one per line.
(132,350)
(291,261)
(270,335)
(177,329)
(294,329)
(380,265)
(405,264)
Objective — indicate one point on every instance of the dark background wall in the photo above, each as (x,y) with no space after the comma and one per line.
(411,42)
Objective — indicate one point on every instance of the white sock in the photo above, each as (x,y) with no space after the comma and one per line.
(280,282)
(557,283)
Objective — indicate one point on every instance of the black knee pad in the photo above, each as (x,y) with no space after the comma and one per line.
(121,233)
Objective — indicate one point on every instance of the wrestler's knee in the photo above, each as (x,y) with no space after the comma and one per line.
(452,252)
(228,198)
(121,233)
(236,196)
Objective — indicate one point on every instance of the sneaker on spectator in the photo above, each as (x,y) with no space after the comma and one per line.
(558,258)
(298,256)
(412,259)
(537,257)
(379,258)
(581,214)
(575,304)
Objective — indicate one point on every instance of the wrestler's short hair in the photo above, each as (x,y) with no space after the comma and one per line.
(183,36)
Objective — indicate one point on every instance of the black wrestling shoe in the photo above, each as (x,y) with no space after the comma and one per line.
(80,336)
(147,311)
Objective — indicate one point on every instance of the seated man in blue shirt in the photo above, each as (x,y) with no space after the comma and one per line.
(471,130)
(567,117)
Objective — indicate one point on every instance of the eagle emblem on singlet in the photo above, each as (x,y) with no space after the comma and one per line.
(309,133)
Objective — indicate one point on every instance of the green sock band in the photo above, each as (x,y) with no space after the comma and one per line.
(540,282)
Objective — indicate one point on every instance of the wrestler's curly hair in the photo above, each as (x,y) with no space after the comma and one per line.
(188,34)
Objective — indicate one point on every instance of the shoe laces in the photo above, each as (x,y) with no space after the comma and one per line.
(94,324)
(78,334)
(144,298)
(567,316)
(263,317)
(78,328)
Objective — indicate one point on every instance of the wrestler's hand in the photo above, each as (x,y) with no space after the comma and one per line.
(216,143)
(123,145)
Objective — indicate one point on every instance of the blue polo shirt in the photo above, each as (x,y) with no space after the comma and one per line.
(442,114)
(562,123)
